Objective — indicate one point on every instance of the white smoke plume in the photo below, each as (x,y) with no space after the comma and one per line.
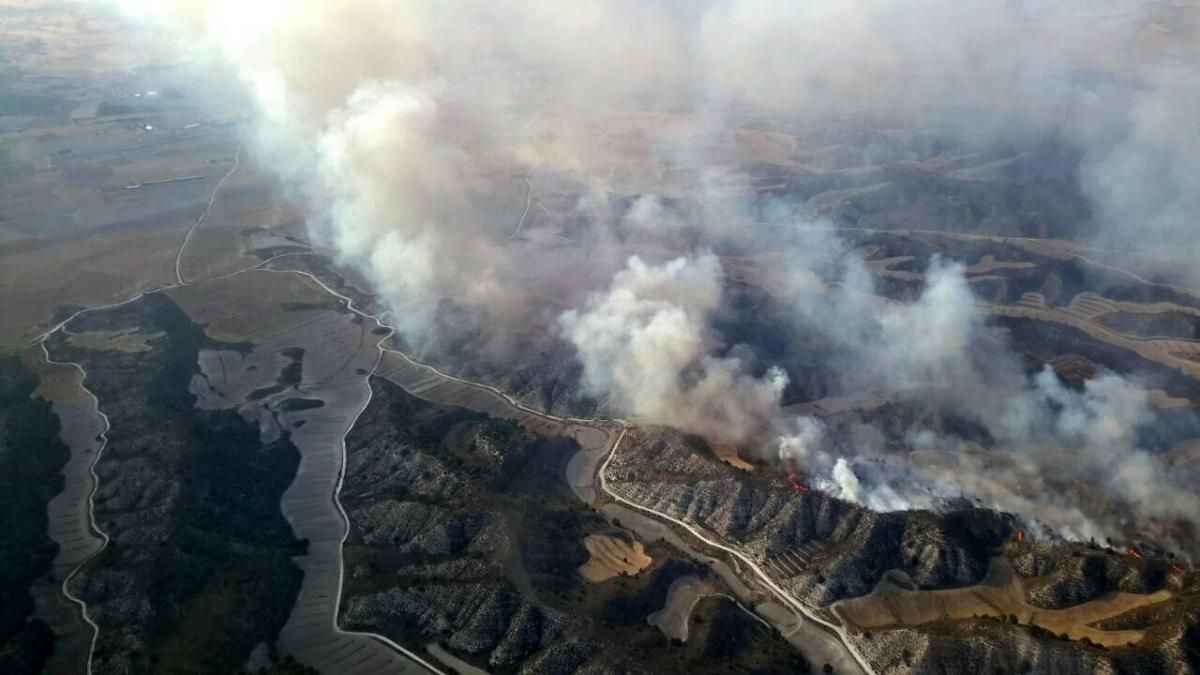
(897,346)
(409,123)
(646,342)
(1096,427)
(804,445)
(1047,438)
(1053,436)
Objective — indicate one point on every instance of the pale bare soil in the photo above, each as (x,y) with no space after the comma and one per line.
(682,597)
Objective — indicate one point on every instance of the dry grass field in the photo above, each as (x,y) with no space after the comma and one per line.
(248,220)
(612,557)
(728,453)
(87,271)
(1000,595)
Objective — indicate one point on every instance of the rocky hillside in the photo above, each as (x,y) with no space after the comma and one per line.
(464,533)
(846,550)
(668,472)
(1069,575)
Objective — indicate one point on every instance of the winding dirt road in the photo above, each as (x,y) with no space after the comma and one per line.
(212,198)
(763,577)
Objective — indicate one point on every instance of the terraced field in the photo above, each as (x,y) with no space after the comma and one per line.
(1084,312)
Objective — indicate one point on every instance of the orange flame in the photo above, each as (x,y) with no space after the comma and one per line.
(1133,553)
(1020,536)
(797,486)
(1177,569)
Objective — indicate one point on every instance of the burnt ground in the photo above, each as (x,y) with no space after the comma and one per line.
(31,461)
(198,569)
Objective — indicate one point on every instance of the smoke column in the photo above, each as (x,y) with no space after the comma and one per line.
(417,130)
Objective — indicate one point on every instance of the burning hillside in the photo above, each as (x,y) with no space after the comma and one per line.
(717,235)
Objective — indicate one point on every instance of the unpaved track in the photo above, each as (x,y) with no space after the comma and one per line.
(71,525)
(341,353)
(784,597)
(71,521)
(212,198)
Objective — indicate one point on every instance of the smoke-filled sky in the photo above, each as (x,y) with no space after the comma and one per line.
(417,130)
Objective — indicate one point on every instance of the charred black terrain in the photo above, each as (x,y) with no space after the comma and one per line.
(31,458)
(197,570)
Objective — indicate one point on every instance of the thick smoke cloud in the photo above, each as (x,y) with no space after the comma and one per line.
(447,97)
(1046,437)
(1144,179)
(407,126)
(646,342)
(1097,428)
(417,130)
